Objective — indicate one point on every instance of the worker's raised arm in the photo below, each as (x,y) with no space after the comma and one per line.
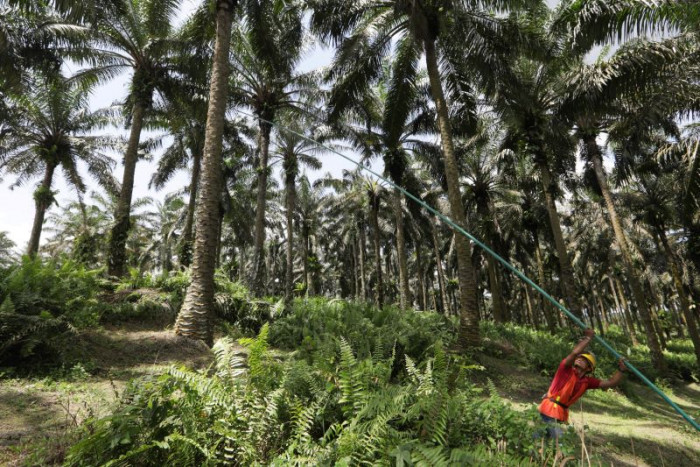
(580,347)
(616,378)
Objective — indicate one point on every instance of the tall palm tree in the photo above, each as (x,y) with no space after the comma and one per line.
(393,125)
(487,188)
(684,156)
(635,69)
(185,121)
(193,318)
(364,33)
(52,133)
(268,48)
(653,200)
(135,36)
(311,205)
(526,97)
(294,152)
(352,202)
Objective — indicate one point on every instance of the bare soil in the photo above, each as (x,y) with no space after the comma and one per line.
(38,416)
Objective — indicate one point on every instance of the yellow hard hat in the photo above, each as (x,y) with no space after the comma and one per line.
(591,359)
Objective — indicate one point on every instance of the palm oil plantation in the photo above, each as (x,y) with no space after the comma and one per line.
(217,285)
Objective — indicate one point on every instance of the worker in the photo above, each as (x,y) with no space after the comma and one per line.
(572,379)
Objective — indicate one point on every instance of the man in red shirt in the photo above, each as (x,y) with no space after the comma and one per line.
(570,382)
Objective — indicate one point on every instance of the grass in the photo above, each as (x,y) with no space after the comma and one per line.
(39,415)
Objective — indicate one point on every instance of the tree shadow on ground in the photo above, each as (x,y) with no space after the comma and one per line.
(615,449)
(119,350)
(23,414)
(643,403)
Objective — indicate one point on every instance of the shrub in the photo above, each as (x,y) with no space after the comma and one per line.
(315,325)
(261,411)
(41,304)
(175,285)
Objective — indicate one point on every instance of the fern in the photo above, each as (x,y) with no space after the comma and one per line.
(430,456)
(350,380)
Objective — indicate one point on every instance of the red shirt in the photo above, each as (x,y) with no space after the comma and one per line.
(564,373)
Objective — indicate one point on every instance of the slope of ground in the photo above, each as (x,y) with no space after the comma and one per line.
(38,415)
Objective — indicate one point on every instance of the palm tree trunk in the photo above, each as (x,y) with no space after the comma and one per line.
(657,355)
(683,298)
(421,276)
(356,269)
(530,309)
(603,312)
(379,295)
(258,254)
(289,273)
(305,255)
(187,231)
(566,271)
(632,320)
(484,212)
(404,291)
(496,293)
(627,319)
(440,272)
(193,321)
(116,264)
(362,240)
(42,199)
(468,333)
(546,309)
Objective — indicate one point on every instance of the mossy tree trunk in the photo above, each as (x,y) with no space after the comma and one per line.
(116,264)
(42,200)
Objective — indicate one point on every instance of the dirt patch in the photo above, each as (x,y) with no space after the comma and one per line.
(115,349)
(38,417)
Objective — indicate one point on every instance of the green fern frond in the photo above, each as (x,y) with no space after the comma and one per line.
(430,456)
(352,386)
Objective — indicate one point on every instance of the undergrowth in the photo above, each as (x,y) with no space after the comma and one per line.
(262,410)
(42,305)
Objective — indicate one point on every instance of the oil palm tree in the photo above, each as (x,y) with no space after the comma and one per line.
(135,36)
(601,91)
(392,123)
(267,49)
(364,33)
(487,189)
(295,152)
(357,200)
(52,133)
(193,320)
(185,121)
